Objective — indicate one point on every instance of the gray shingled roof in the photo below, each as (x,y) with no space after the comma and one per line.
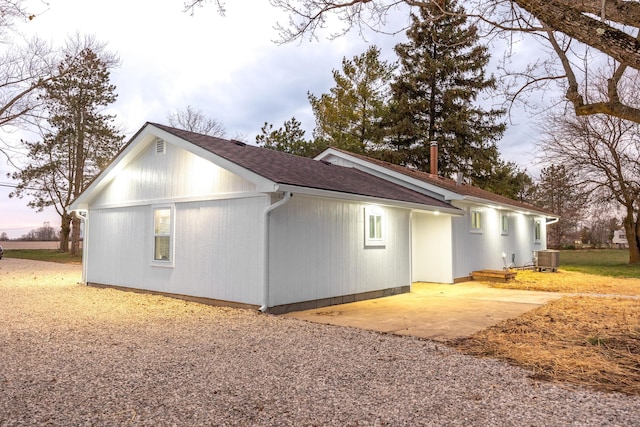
(284,168)
(450,185)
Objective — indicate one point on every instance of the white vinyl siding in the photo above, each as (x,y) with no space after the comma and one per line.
(178,174)
(317,251)
(479,251)
(218,246)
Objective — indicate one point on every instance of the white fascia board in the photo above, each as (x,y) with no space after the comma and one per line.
(140,143)
(506,206)
(393,176)
(400,178)
(307,191)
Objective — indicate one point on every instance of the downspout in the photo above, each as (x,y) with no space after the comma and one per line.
(411,250)
(85,246)
(265,279)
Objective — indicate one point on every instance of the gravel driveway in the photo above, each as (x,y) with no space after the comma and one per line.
(76,355)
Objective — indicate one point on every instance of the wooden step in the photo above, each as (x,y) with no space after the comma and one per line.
(494,275)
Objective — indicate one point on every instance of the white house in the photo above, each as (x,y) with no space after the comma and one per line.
(494,232)
(197,216)
(620,239)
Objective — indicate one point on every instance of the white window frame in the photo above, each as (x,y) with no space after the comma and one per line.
(374,238)
(504,223)
(476,220)
(537,231)
(170,233)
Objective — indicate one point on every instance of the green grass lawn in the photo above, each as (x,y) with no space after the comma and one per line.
(603,262)
(51,255)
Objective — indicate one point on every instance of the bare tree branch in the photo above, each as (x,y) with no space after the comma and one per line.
(608,26)
(196,121)
(579,20)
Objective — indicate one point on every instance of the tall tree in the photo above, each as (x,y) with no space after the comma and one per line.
(350,116)
(81,140)
(196,121)
(611,27)
(604,153)
(25,65)
(559,191)
(434,95)
(289,139)
(507,179)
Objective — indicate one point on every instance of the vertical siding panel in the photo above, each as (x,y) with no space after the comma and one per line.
(219,252)
(218,249)
(117,246)
(476,251)
(177,173)
(317,251)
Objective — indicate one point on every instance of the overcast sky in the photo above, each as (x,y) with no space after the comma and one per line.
(228,67)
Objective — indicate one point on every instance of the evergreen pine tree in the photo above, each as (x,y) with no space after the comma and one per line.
(81,141)
(434,96)
(289,139)
(351,114)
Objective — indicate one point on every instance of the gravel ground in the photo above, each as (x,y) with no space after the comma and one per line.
(76,355)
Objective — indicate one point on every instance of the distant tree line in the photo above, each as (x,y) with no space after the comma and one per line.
(46,233)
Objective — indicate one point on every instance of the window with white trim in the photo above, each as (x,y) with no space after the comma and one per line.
(163,234)
(537,231)
(374,228)
(476,220)
(504,223)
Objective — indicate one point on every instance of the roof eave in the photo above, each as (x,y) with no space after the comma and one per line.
(419,183)
(368,199)
(512,207)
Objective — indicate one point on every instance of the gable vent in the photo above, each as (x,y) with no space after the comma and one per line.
(160,146)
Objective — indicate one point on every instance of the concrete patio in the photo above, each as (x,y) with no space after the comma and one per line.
(434,311)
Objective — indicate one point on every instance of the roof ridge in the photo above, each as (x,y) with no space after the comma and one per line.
(466,189)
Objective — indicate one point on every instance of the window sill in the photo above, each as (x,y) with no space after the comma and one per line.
(373,244)
(163,264)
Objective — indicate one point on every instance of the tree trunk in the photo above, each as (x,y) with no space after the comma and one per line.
(75,236)
(565,16)
(632,230)
(65,230)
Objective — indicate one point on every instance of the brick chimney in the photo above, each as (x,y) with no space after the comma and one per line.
(433,157)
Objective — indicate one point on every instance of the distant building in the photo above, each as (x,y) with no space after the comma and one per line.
(620,239)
